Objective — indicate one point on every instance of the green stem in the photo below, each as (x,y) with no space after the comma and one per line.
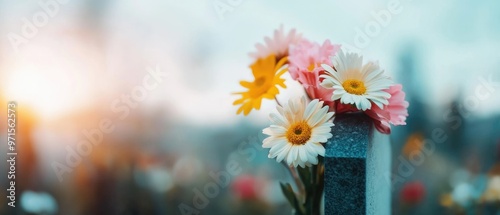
(297,181)
(319,185)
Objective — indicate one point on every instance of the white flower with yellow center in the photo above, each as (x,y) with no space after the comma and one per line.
(355,83)
(297,132)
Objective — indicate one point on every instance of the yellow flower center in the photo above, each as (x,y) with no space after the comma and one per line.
(354,86)
(311,67)
(299,133)
(261,86)
(260,81)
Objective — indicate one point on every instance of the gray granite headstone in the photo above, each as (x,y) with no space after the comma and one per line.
(357,159)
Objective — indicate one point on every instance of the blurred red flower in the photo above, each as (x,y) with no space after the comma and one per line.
(246,187)
(413,192)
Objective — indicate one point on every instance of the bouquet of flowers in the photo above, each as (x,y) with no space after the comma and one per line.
(335,82)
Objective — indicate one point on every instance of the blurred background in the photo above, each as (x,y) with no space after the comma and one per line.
(72,64)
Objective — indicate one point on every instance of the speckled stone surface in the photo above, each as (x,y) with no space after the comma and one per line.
(356,160)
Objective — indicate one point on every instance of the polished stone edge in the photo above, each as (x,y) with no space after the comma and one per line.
(356,159)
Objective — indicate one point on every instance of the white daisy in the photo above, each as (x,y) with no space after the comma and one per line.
(297,132)
(355,83)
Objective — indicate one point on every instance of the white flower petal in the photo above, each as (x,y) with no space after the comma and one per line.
(276,145)
(292,155)
(302,154)
(349,66)
(319,148)
(316,116)
(277,130)
(310,109)
(323,129)
(347,99)
(277,119)
(328,84)
(328,68)
(283,153)
(268,142)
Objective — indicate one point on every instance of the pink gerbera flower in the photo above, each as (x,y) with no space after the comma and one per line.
(394,113)
(305,66)
(278,45)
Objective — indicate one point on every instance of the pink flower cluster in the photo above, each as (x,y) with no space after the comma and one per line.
(305,60)
(305,66)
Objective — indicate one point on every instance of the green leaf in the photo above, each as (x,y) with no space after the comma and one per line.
(292,199)
(288,192)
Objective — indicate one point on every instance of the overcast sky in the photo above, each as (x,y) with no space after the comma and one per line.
(203,45)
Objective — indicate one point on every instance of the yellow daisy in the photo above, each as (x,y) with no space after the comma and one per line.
(267,77)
